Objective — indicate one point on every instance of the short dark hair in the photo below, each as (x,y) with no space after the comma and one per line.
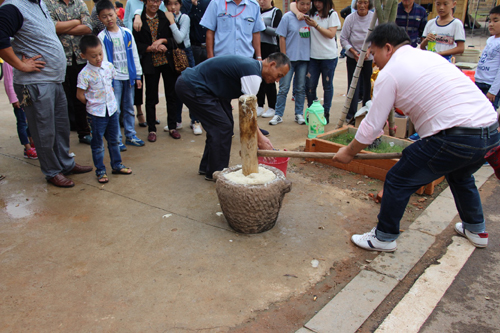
(280,58)
(327,6)
(102,5)
(118,4)
(388,33)
(89,41)
(370,4)
(495,10)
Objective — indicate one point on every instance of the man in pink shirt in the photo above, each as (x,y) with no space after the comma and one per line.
(456,122)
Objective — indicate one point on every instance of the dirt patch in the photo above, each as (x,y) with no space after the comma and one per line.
(291,315)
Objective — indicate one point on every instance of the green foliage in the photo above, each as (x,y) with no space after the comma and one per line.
(383,147)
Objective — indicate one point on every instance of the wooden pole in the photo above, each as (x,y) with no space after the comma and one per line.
(304,154)
(248,133)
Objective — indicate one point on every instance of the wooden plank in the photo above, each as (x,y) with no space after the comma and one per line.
(248,133)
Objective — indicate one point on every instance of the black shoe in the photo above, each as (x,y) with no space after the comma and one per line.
(143,124)
(266,133)
(327,117)
(86,139)
(210,179)
(157,121)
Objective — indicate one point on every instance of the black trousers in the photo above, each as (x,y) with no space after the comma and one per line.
(152,82)
(267,89)
(199,53)
(77,111)
(366,74)
(215,114)
(138,94)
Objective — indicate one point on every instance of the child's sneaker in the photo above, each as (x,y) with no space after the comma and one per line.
(269,113)
(196,127)
(276,120)
(479,239)
(414,137)
(30,153)
(122,147)
(260,111)
(134,141)
(370,242)
(300,119)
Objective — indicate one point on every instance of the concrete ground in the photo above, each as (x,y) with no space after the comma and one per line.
(149,251)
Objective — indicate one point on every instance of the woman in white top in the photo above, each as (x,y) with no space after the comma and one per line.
(324,56)
(352,38)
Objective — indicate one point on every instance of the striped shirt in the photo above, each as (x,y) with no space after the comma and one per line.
(414,22)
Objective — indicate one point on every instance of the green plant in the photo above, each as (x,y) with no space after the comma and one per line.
(383,147)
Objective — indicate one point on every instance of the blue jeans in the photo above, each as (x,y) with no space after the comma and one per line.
(484,87)
(22,126)
(109,127)
(325,67)
(299,88)
(125,93)
(455,157)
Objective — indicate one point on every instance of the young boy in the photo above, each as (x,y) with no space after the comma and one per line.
(488,69)
(447,31)
(295,43)
(120,49)
(94,88)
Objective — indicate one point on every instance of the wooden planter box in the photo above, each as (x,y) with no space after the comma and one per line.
(372,168)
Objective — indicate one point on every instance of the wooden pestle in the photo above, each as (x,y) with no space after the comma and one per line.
(248,133)
(303,154)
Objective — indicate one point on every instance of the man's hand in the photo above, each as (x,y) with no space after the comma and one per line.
(343,156)
(263,142)
(346,154)
(194,2)
(32,64)
(138,83)
(491,97)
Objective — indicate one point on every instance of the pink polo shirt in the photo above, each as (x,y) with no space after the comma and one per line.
(435,94)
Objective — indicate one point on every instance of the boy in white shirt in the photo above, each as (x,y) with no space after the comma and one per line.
(488,69)
(447,31)
(120,49)
(94,89)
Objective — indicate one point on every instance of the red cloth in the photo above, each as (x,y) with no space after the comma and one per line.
(120,12)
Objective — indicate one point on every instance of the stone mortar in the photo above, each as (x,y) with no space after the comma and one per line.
(251,209)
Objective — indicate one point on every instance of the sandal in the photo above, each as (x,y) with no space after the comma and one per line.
(103,178)
(122,171)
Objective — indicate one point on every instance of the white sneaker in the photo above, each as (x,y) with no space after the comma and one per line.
(369,241)
(178,126)
(196,126)
(276,120)
(269,113)
(300,119)
(260,111)
(479,239)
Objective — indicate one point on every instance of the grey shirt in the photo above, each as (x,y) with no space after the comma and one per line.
(36,35)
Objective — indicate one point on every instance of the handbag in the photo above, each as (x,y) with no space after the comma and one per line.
(180,59)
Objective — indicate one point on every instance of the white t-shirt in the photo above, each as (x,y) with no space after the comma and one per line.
(119,56)
(488,68)
(446,35)
(322,47)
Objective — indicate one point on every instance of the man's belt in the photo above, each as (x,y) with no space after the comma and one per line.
(492,129)
(202,45)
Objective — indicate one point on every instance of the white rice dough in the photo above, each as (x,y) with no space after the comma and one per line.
(263,176)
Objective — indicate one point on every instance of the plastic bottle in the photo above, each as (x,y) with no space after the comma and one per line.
(315,119)
(431,45)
